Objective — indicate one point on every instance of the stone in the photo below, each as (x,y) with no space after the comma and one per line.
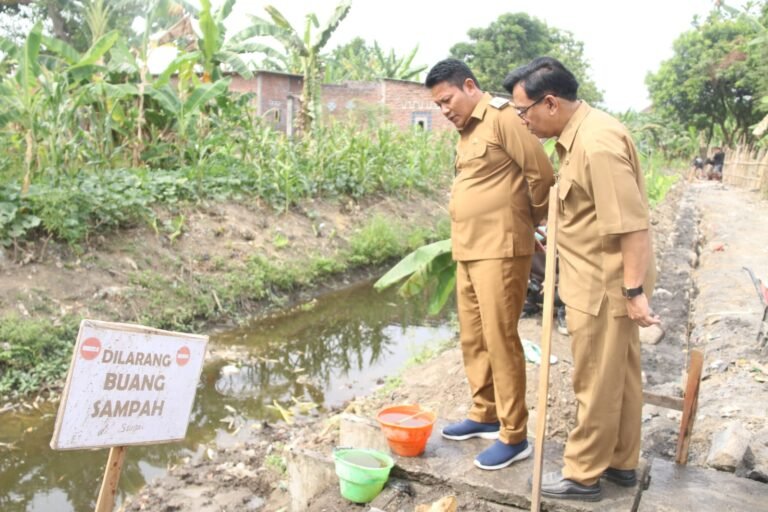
(444,504)
(651,335)
(756,459)
(728,447)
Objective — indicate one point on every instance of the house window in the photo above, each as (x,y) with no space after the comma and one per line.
(422,120)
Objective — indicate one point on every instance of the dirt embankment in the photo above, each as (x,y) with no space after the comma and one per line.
(150,272)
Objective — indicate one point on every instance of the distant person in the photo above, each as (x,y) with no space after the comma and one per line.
(500,192)
(697,167)
(717,161)
(606,266)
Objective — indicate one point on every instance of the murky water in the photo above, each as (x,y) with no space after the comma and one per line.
(327,353)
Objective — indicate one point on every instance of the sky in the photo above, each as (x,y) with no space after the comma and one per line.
(623,40)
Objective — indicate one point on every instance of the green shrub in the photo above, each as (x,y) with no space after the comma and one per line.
(376,242)
(34,353)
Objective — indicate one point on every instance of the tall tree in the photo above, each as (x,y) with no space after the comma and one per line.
(515,39)
(66,18)
(712,81)
(303,52)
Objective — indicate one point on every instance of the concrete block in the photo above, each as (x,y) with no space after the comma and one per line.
(359,432)
(728,447)
(676,488)
(309,474)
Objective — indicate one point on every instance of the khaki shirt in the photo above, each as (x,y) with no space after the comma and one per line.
(602,195)
(501,187)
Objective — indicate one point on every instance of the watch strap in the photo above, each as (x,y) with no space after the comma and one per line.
(631,293)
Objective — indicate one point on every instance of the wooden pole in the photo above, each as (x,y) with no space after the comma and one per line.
(546,342)
(690,403)
(106,501)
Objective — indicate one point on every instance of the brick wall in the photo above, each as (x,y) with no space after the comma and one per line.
(410,103)
(273,92)
(352,98)
(404,103)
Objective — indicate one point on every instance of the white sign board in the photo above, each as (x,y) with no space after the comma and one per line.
(128,385)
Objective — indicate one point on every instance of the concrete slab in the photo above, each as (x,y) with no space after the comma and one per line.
(451,463)
(691,489)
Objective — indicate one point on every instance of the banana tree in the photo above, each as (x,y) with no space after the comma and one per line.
(303,52)
(430,269)
(400,68)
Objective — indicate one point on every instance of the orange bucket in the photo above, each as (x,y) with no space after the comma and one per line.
(407,428)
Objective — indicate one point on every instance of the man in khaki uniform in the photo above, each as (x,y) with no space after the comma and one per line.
(606,266)
(499,194)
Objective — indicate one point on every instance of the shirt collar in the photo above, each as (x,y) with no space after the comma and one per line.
(565,140)
(482,106)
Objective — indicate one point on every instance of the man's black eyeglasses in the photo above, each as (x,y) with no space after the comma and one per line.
(523,111)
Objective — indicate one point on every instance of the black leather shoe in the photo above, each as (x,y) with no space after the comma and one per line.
(622,477)
(553,485)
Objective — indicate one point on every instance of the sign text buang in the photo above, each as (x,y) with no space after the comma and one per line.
(128,385)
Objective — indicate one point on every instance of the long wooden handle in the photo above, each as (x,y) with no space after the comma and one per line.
(546,342)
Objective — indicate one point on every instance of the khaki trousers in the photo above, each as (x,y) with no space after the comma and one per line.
(490,296)
(609,394)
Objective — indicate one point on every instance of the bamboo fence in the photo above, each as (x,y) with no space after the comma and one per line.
(748,169)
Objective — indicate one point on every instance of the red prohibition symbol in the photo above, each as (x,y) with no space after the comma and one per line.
(182,356)
(90,348)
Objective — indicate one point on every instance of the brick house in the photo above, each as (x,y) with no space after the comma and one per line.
(402,102)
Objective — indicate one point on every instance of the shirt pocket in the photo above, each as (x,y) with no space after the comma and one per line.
(472,158)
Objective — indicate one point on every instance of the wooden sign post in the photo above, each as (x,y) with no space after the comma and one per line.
(127,385)
(546,348)
(106,500)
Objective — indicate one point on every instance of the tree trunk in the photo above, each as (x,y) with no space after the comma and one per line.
(54,13)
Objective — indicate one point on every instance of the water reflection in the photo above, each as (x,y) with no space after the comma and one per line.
(327,354)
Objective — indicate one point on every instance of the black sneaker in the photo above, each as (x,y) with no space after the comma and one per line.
(622,477)
(562,327)
(553,485)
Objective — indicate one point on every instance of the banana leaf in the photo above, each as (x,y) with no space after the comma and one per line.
(429,269)
(413,262)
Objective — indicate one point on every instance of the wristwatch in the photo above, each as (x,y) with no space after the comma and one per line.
(631,293)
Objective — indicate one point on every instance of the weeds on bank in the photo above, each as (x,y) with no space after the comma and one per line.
(34,354)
